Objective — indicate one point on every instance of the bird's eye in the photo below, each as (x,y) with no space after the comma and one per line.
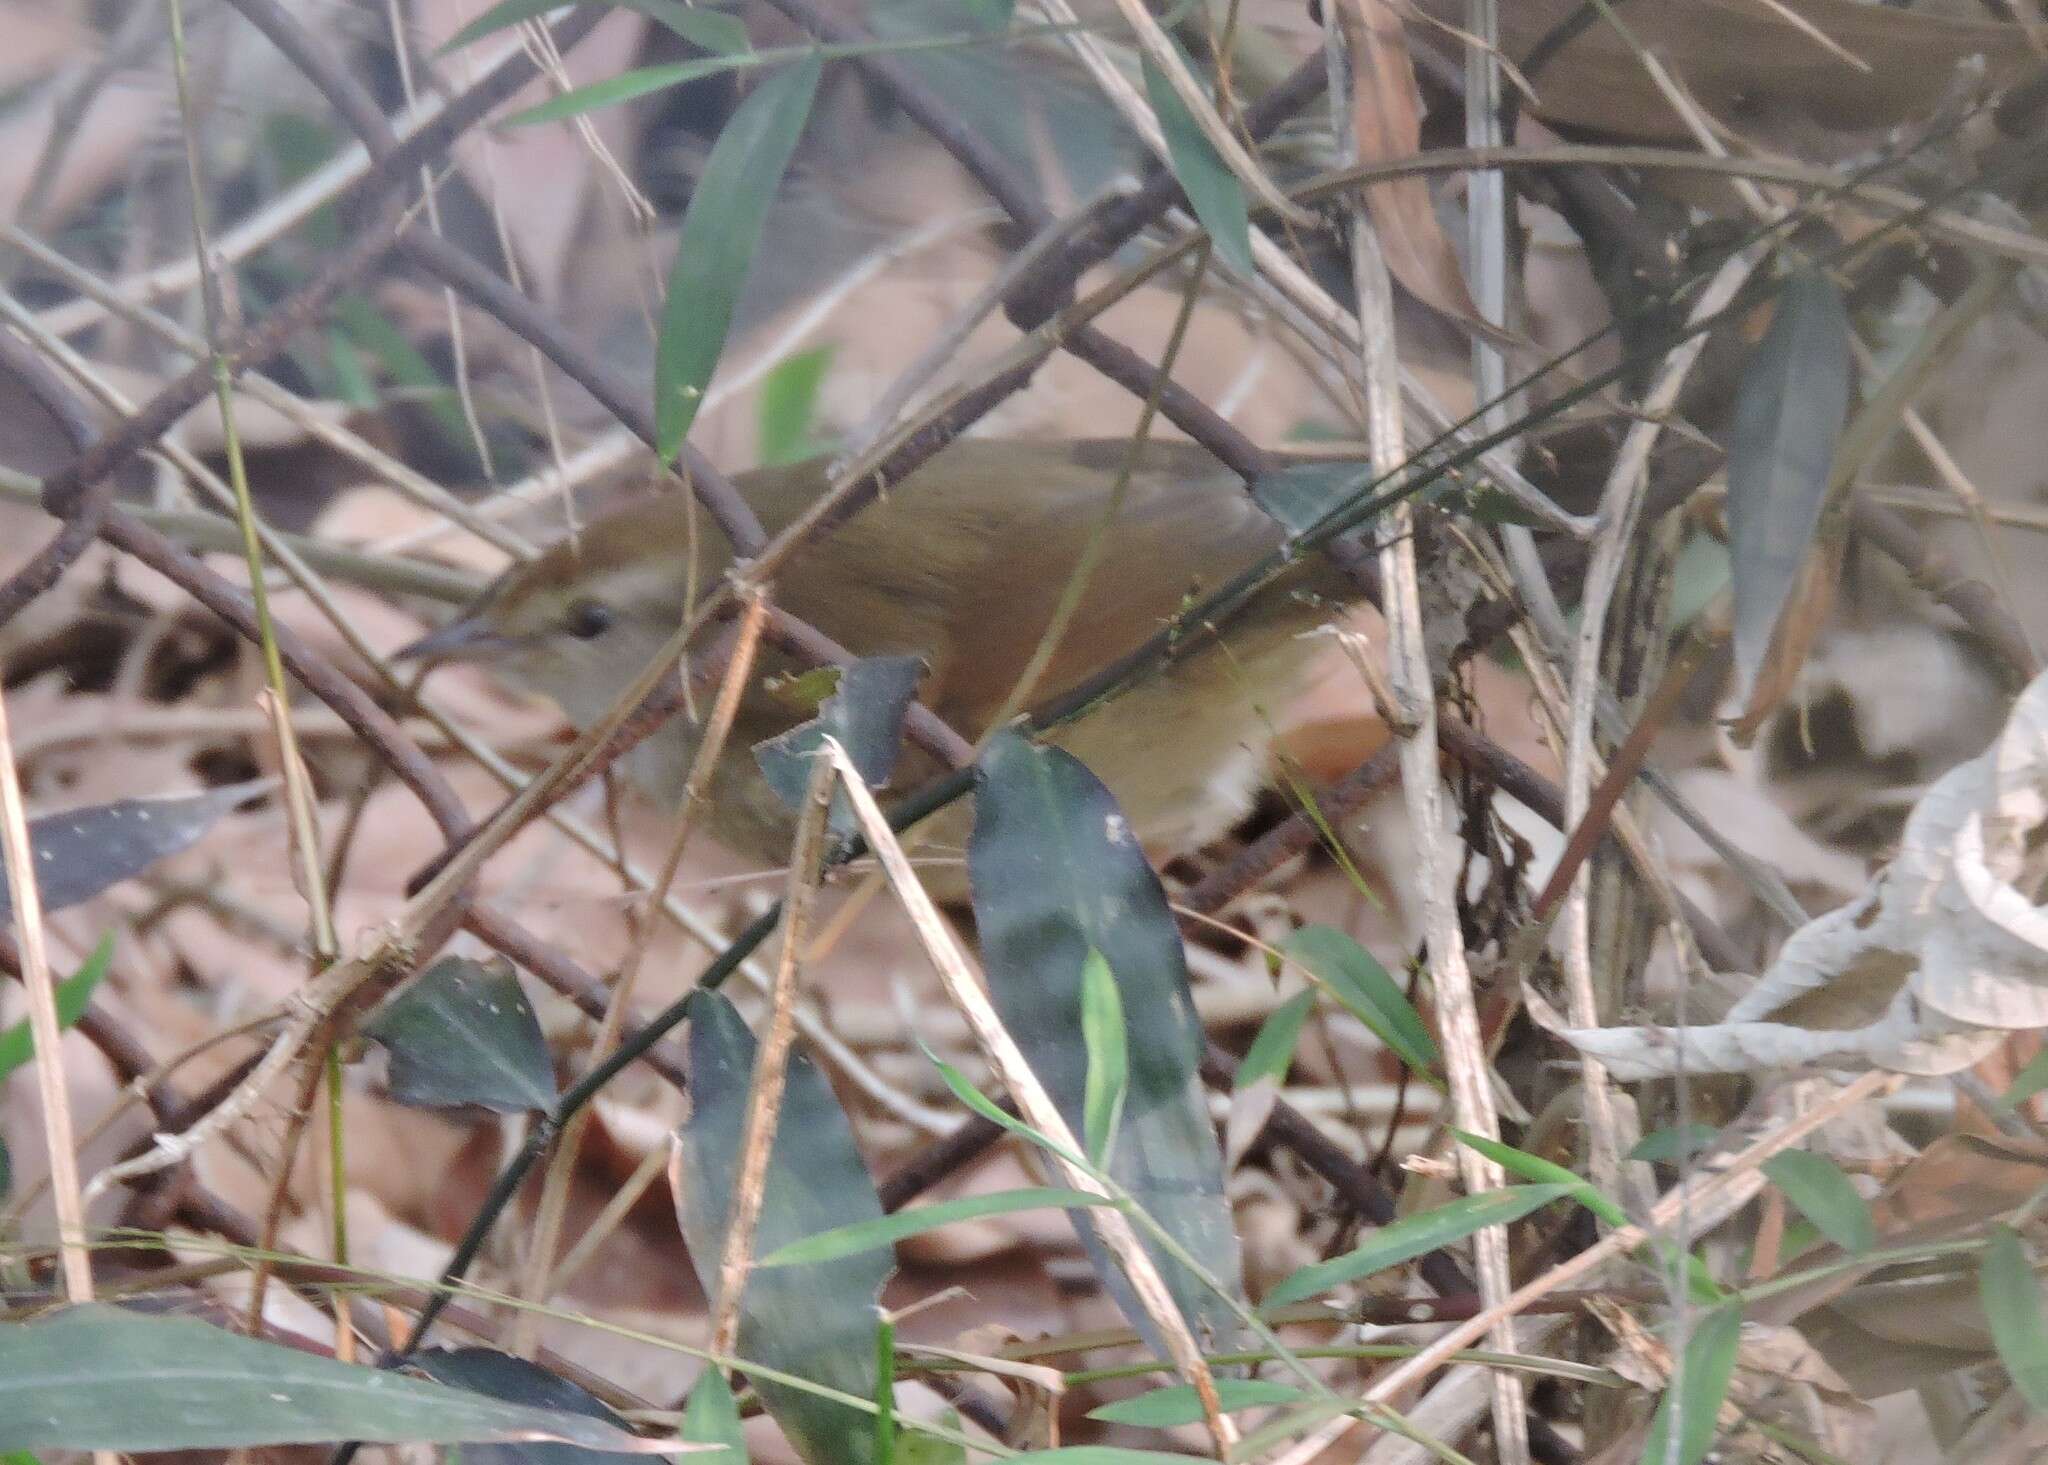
(589,619)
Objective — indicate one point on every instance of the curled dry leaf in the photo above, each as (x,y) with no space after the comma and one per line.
(1386,115)
(1926,971)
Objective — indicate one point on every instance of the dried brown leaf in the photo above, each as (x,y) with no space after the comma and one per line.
(1386,116)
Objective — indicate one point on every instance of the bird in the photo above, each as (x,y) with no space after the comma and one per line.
(962,564)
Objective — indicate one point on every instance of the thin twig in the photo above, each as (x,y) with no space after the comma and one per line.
(771,1060)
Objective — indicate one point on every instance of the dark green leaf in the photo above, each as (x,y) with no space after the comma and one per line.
(464,1033)
(1412,1236)
(74,995)
(1302,495)
(711,29)
(1055,873)
(1351,974)
(1824,1196)
(1272,1051)
(865,714)
(1789,411)
(890,1229)
(1697,1391)
(2012,1305)
(98,1378)
(1109,1057)
(711,1416)
(789,406)
(1176,1404)
(1672,1146)
(501,1376)
(629,85)
(720,231)
(816,1321)
(81,852)
(1212,189)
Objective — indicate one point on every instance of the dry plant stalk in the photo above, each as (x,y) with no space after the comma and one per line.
(1411,686)
(1033,1102)
(771,1064)
(43,1026)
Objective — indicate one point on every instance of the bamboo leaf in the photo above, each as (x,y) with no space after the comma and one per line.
(1825,1196)
(890,1229)
(1355,978)
(1695,1395)
(95,1377)
(1412,1236)
(2012,1305)
(1177,1404)
(1213,191)
(1056,873)
(1272,1051)
(720,232)
(711,1416)
(1789,411)
(74,995)
(465,1033)
(817,1320)
(1109,1057)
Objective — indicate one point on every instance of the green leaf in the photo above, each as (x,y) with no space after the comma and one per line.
(629,85)
(1177,1404)
(789,406)
(1301,495)
(1413,1236)
(464,1033)
(498,1375)
(96,1377)
(711,29)
(890,1229)
(74,995)
(1109,1057)
(1272,1051)
(1212,189)
(1697,1391)
(818,1320)
(2012,1305)
(1825,1196)
(1096,1455)
(720,231)
(1056,872)
(80,852)
(1544,1172)
(864,714)
(1350,974)
(915,1447)
(1672,1146)
(2028,1082)
(711,1416)
(988,1109)
(1789,411)
(885,1392)
(366,326)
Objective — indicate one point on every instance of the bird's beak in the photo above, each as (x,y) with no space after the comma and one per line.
(467,638)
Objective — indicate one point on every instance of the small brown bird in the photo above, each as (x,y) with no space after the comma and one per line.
(962,564)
